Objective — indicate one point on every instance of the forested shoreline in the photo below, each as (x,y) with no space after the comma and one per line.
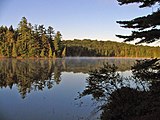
(88,47)
(28,41)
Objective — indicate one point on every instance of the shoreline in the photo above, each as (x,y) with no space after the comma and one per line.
(77,57)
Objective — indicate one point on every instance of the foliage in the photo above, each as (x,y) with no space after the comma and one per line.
(148,69)
(88,47)
(144,3)
(28,41)
(37,41)
(58,47)
(127,103)
(148,26)
(120,100)
(102,82)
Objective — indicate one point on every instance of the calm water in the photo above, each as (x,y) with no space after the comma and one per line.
(46,89)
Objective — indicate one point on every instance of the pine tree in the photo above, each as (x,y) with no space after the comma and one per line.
(147,26)
(14,50)
(42,53)
(37,43)
(44,40)
(9,41)
(50,52)
(57,44)
(45,44)
(54,55)
(23,38)
(64,52)
(50,32)
(3,30)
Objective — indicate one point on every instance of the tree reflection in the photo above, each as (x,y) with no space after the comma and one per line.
(121,101)
(29,75)
(147,70)
(57,70)
(36,74)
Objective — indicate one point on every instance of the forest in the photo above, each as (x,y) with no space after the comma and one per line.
(88,47)
(28,41)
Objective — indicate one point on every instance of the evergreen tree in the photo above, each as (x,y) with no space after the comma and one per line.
(6,41)
(64,52)
(42,53)
(50,32)
(9,42)
(45,44)
(50,52)
(147,26)
(57,44)
(37,43)
(14,50)
(3,30)
(23,38)
(44,41)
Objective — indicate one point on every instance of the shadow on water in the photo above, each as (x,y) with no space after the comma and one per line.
(122,102)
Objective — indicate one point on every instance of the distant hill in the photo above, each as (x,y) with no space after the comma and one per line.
(89,47)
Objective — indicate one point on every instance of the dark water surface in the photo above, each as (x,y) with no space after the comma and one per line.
(46,89)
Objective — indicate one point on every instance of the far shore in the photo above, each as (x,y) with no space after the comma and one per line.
(77,57)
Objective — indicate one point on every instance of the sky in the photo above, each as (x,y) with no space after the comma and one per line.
(75,19)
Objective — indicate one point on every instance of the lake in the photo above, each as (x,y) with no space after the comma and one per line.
(46,89)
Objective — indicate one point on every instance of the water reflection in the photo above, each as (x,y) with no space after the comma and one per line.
(28,75)
(35,74)
(120,100)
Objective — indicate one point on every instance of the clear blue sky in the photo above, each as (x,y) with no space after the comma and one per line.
(93,19)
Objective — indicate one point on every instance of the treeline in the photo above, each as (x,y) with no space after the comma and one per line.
(88,47)
(30,41)
(37,41)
